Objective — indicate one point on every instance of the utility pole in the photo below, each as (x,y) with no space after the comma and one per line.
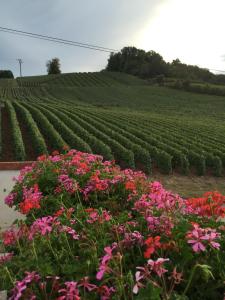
(20,63)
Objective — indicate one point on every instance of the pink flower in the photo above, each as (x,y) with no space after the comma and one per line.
(31,199)
(104,261)
(10,236)
(5,257)
(17,291)
(157,266)
(138,284)
(200,237)
(9,200)
(211,239)
(70,292)
(95,216)
(105,292)
(70,231)
(86,284)
(42,226)
(69,184)
(102,270)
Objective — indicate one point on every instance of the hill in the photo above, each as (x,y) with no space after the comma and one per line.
(116,115)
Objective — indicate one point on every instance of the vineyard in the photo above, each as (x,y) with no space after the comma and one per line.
(119,116)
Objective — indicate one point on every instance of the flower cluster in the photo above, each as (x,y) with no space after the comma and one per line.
(94,231)
(199,238)
(211,204)
(31,199)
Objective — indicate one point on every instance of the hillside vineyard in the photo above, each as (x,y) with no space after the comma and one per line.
(118,116)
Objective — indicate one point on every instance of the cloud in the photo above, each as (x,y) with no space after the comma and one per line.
(111,23)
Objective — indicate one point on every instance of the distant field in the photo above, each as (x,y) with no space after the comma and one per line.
(155,129)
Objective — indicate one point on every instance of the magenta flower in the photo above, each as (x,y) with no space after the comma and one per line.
(70,292)
(70,231)
(86,284)
(17,291)
(9,200)
(199,238)
(5,257)
(105,292)
(42,226)
(70,185)
(157,266)
(104,261)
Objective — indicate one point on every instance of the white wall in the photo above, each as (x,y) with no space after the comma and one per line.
(7,215)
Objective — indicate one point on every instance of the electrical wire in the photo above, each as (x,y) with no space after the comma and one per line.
(56,40)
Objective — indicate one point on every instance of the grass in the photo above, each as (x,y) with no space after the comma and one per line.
(190,186)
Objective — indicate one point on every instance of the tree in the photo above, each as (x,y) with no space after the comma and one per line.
(53,66)
(6,74)
(137,62)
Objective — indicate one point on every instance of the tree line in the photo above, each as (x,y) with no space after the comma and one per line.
(151,64)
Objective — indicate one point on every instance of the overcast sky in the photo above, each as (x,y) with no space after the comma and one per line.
(191,30)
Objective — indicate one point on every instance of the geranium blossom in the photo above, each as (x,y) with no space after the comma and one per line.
(20,286)
(9,200)
(89,224)
(152,244)
(70,292)
(5,257)
(105,259)
(157,266)
(199,238)
(31,199)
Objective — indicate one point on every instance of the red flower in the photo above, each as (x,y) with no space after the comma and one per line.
(210,204)
(130,185)
(42,157)
(152,244)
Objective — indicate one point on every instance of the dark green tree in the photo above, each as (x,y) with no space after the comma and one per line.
(6,74)
(53,66)
(137,62)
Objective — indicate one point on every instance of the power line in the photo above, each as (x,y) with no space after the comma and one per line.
(56,40)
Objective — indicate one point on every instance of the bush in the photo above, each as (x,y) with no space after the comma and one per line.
(160,79)
(151,244)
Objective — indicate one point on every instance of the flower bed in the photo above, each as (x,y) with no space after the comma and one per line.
(94,231)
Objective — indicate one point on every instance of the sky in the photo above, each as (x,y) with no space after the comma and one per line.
(191,30)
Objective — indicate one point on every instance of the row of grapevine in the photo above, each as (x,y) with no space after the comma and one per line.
(198,160)
(210,157)
(178,158)
(120,153)
(140,148)
(83,79)
(163,159)
(18,145)
(175,154)
(96,145)
(141,156)
(48,131)
(71,138)
(36,137)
